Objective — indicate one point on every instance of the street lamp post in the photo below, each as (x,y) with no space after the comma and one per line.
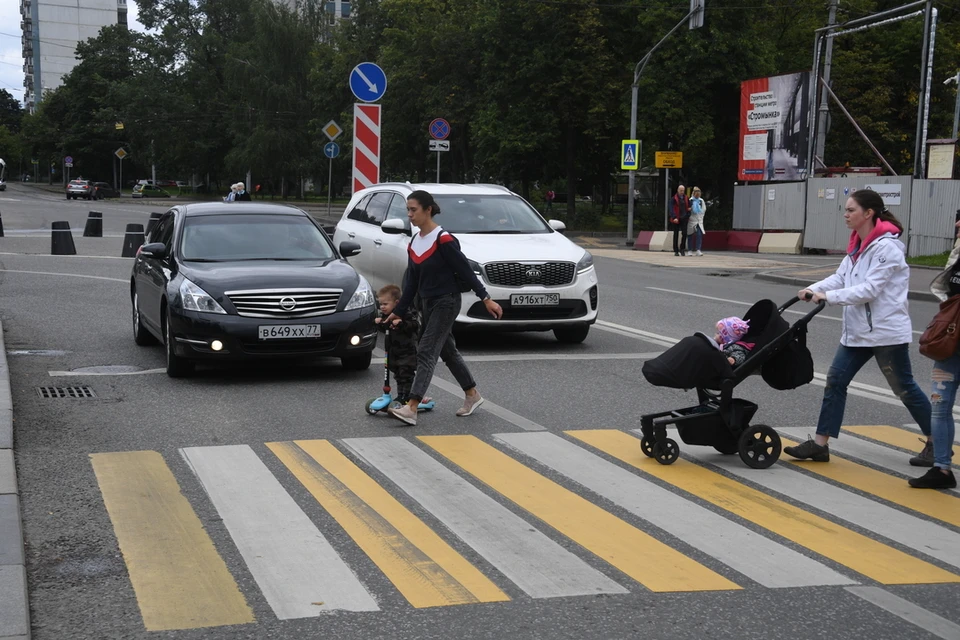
(956,107)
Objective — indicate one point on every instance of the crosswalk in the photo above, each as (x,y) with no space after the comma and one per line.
(461,520)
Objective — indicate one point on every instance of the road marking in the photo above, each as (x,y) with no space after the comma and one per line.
(941,506)
(491,407)
(64,275)
(906,610)
(909,530)
(896,437)
(296,568)
(540,567)
(646,336)
(180,580)
(517,357)
(844,546)
(423,567)
(769,563)
(650,562)
(69,374)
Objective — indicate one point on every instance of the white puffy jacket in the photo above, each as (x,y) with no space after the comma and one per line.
(873,294)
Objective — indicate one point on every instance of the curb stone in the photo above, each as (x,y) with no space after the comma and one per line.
(14,608)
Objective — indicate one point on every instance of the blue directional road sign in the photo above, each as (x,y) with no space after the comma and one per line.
(439,129)
(331,150)
(629,160)
(368,82)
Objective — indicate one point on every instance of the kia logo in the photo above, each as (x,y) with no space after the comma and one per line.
(533,273)
(288,304)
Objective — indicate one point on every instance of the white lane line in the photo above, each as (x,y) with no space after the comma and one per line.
(768,563)
(871,452)
(64,275)
(910,531)
(534,562)
(511,357)
(906,610)
(70,374)
(296,568)
(664,341)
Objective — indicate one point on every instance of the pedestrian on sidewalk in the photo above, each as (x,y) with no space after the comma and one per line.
(871,285)
(679,214)
(434,263)
(944,381)
(695,225)
(551,196)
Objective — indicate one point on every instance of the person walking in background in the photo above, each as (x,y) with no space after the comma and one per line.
(679,214)
(695,225)
(434,261)
(550,198)
(242,194)
(871,285)
(232,195)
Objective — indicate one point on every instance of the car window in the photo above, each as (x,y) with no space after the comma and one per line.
(359,212)
(226,238)
(398,210)
(164,229)
(377,208)
(488,214)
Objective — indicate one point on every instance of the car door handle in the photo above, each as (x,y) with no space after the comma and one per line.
(378,242)
(351,235)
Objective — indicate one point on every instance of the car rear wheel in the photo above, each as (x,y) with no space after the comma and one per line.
(357,363)
(141,335)
(177,367)
(572,335)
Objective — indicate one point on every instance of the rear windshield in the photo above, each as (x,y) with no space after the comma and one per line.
(225,238)
(488,214)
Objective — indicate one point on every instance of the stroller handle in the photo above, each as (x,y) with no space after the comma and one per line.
(807,318)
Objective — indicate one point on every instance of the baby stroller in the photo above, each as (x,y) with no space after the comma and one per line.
(779,354)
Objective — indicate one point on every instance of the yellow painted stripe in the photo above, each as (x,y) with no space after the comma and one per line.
(844,546)
(424,568)
(909,440)
(642,557)
(180,580)
(936,504)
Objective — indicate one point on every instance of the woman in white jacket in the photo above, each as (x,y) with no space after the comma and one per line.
(695,224)
(871,285)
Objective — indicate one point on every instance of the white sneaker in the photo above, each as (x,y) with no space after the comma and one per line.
(469,405)
(699,253)
(404,413)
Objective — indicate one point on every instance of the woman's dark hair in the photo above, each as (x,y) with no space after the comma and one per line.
(425,200)
(871,200)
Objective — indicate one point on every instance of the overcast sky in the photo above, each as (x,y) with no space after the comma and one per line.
(11,62)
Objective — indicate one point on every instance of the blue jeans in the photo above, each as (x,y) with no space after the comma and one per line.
(944,381)
(696,240)
(894,362)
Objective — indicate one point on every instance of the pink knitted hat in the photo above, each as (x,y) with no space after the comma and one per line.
(732,329)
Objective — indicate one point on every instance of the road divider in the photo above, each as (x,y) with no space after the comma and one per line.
(132,240)
(94,226)
(61,239)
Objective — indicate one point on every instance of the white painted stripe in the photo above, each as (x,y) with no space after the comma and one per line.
(299,573)
(367,121)
(70,374)
(363,149)
(769,563)
(910,531)
(537,564)
(871,452)
(510,357)
(906,610)
(65,275)
(646,336)
(491,407)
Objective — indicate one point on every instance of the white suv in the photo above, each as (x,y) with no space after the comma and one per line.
(542,280)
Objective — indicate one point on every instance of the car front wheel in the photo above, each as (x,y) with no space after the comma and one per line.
(572,335)
(177,367)
(357,363)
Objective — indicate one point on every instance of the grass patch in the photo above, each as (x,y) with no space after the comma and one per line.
(937,260)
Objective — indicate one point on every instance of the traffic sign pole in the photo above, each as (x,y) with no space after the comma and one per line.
(329,185)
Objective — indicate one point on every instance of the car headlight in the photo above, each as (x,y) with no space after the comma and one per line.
(362,297)
(475,267)
(196,299)
(586,262)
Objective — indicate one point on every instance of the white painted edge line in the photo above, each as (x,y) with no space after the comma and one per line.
(510,357)
(64,275)
(70,374)
(907,611)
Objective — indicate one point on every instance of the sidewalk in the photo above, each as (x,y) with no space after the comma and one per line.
(14,612)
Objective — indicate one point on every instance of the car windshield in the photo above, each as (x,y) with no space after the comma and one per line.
(488,214)
(226,238)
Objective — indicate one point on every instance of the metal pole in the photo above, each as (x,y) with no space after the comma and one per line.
(857,127)
(120,190)
(956,107)
(438,167)
(824,108)
(811,113)
(917,169)
(329,185)
(666,199)
(926,93)
(631,175)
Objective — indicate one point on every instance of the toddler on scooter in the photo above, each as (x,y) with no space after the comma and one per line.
(402,349)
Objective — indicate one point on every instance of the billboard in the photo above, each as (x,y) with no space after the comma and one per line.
(774,127)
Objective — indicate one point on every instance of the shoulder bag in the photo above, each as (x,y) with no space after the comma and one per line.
(940,339)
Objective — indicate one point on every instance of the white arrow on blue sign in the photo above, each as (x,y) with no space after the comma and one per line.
(331,150)
(368,82)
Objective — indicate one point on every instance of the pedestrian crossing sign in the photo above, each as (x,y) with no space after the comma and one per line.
(629,158)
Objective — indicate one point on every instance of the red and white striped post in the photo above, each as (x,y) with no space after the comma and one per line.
(366,145)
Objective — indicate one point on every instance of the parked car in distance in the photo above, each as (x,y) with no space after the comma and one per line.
(166,183)
(149,191)
(543,281)
(80,189)
(104,190)
(224,282)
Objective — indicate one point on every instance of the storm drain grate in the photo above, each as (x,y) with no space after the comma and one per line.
(66,392)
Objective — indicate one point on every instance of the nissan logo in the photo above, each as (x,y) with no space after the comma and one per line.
(533,273)
(288,304)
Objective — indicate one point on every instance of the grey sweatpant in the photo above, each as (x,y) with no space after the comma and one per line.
(437,341)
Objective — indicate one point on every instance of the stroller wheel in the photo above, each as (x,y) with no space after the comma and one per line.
(646,445)
(759,446)
(666,452)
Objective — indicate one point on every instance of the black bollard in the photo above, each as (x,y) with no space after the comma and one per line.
(61,240)
(154,218)
(132,240)
(94,226)
(1,227)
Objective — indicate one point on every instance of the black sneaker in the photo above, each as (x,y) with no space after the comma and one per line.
(935,478)
(809,450)
(925,457)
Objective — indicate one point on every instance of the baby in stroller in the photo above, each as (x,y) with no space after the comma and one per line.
(729,339)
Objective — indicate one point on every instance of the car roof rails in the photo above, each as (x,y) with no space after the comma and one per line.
(493,186)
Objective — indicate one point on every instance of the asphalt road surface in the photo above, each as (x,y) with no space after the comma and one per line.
(262,502)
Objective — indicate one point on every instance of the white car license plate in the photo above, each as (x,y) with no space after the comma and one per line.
(280,331)
(534,299)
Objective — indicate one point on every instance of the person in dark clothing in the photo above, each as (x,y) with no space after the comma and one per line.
(434,262)
(402,354)
(242,194)
(679,216)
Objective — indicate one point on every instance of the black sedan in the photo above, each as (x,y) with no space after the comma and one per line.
(104,190)
(222,281)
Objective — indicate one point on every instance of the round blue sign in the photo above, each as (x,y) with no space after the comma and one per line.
(68,159)
(439,129)
(331,150)
(368,82)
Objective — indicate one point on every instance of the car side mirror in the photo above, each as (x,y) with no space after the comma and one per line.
(153,250)
(348,249)
(395,226)
(557,225)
